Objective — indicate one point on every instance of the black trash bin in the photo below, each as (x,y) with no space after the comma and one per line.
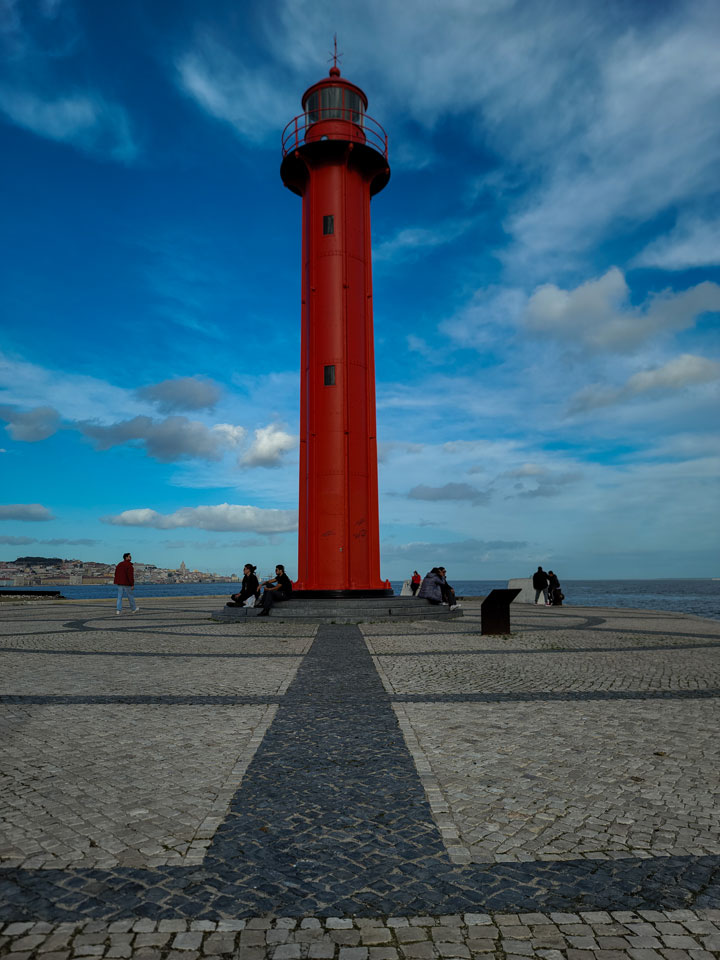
(495,611)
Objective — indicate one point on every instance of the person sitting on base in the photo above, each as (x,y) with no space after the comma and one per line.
(431,589)
(415,582)
(282,590)
(248,591)
(448,593)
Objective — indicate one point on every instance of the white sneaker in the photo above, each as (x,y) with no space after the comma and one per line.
(118,612)
(136,610)
(456,606)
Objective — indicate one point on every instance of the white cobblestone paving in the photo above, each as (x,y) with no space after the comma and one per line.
(587,935)
(596,763)
(149,786)
(40,674)
(586,670)
(590,779)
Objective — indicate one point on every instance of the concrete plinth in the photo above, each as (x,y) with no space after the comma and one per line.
(527,591)
(345,611)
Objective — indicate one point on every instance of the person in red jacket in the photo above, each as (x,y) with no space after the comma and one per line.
(125,581)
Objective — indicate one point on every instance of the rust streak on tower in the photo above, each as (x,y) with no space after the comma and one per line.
(335,158)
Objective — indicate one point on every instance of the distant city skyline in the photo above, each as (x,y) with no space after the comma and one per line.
(546,281)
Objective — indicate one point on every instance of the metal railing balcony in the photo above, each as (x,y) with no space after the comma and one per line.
(334,123)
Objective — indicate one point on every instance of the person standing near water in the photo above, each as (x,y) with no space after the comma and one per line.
(540,583)
(125,582)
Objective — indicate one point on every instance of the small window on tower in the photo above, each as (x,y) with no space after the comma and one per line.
(330,375)
(328,225)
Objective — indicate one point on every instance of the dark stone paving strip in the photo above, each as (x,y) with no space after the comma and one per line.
(332,793)
(714,638)
(544,695)
(173,700)
(147,653)
(331,819)
(444,652)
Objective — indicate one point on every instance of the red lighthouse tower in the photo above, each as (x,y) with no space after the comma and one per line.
(335,158)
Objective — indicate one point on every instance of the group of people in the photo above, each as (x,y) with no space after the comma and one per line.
(252,594)
(434,587)
(549,585)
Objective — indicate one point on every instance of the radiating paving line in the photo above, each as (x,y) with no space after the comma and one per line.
(331,819)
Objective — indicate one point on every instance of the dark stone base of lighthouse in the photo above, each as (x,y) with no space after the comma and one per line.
(345,610)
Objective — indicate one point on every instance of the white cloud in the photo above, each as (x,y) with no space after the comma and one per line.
(491,314)
(449,491)
(252,99)
(55,542)
(37,41)
(624,160)
(83,120)
(32,425)
(527,470)
(63,541)
(462,558)
(268,447)
(74,396)
(224,516)
(386,451)
(181,393)
(174,438)
(230,435)
(678,374)
(599,315)
(693,242)
(549,485)
(418,345)
(31,512)
(410,243)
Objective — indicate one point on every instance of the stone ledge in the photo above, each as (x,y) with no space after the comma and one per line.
(344,611)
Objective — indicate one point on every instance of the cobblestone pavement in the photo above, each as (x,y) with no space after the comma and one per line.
(175,788)
(587,935)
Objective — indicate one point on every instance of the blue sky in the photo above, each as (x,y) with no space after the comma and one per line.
(546,281)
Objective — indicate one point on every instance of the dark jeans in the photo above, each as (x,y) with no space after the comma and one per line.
(271,597)
(448,595)
(414,587)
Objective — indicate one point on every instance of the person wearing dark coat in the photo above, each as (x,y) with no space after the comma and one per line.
(431,589)
(540,584)
(249,588)
(556,594)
